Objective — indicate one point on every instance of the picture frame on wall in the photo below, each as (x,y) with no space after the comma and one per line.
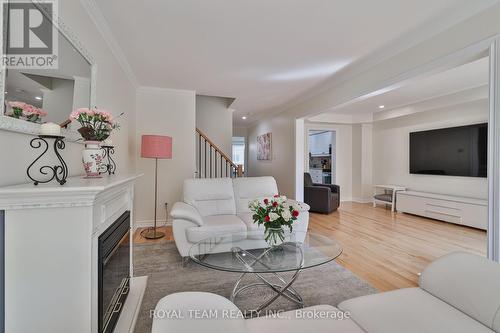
(264,147)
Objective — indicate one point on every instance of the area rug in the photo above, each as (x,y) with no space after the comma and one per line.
(326,284)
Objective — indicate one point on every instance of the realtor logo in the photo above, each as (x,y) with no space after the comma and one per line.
(31,38)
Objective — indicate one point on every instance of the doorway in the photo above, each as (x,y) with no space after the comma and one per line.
(322,156)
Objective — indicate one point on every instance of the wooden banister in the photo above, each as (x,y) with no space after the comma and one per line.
(235,170)
(211,143)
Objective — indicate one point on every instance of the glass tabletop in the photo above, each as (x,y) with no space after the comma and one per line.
(248,252)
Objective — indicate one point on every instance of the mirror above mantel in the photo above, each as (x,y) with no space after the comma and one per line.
(55,91)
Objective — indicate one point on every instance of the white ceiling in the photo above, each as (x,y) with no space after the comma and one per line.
(262,53)
(467,76)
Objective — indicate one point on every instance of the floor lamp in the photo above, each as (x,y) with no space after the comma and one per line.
(157,147)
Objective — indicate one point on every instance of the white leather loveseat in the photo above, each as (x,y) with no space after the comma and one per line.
(219,206)
(458,293)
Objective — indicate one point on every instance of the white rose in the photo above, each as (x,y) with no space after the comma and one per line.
(273,216)
(286,215)
(296,206)
(254,204)
(281,199)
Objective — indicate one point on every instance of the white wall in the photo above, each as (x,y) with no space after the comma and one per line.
(164,112)
(300,150)
(362,189)
(240,131)
(114,93)
(391,150)
(366,191)
(344,153)
(282,164)
(215,119)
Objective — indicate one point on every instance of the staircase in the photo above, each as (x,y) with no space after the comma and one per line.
(212,162)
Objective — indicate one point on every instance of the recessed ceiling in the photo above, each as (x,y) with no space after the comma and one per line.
(262,53)
(470,75)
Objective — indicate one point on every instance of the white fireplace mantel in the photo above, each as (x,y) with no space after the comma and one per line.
(77,192)
(51,234)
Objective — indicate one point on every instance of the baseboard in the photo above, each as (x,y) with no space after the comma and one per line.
(362,200)
(150,223)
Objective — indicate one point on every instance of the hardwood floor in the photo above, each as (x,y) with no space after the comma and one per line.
(138,239)
(386,249)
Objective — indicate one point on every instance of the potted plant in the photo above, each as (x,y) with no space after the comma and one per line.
(96,126)
(275,214)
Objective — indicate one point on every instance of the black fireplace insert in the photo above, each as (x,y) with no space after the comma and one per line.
(113,272)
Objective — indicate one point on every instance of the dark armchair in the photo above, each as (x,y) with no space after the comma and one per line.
(323,198)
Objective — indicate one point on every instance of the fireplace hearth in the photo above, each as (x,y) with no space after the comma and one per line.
(113,272)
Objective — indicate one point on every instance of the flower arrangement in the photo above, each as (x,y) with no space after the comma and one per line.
(274,214)
(96,124)
(21,110)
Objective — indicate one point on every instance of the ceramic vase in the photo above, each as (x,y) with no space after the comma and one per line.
(92,158)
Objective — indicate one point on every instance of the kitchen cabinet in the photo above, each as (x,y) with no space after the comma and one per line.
(319,144)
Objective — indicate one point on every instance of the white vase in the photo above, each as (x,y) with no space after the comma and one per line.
(92,159)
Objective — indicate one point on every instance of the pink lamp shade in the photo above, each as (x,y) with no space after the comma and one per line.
(156,146)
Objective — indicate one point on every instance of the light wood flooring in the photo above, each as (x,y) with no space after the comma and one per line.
(386,249)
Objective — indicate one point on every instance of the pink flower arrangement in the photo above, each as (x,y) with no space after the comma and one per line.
(17,105)
(96,124)
(30,112)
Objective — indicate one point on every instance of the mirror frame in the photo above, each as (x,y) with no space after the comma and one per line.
(26,127)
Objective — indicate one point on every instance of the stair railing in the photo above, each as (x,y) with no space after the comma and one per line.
(212,161)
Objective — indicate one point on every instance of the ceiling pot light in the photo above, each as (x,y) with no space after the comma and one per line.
(38,98)
(244,117)
(381,106)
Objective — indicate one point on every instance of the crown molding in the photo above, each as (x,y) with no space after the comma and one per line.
(103,27)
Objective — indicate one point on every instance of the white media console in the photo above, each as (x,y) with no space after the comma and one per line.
(459,210)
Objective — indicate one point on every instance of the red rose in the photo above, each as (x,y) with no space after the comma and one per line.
(276,195)
(267,218)
(266,201)
(295,213)
(275,204)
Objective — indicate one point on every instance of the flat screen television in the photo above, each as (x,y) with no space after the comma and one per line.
(455,151)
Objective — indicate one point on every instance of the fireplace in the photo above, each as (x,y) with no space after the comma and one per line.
(113,272)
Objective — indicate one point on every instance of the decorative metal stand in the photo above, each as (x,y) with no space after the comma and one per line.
(282,289)
(111,165)
(57,172)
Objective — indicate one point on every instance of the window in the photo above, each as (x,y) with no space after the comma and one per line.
(239,151)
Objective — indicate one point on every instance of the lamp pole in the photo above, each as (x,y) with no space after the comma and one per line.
(152,233)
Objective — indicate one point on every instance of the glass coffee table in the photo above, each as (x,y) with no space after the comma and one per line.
(248,253)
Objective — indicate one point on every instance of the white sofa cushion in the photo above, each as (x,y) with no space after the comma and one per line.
(410,310)
(468,282)
(216,225)
(210,196)
(189,305)
(299,321)
(248,189)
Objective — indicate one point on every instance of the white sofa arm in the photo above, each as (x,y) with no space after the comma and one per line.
(188,312)
(183,211)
